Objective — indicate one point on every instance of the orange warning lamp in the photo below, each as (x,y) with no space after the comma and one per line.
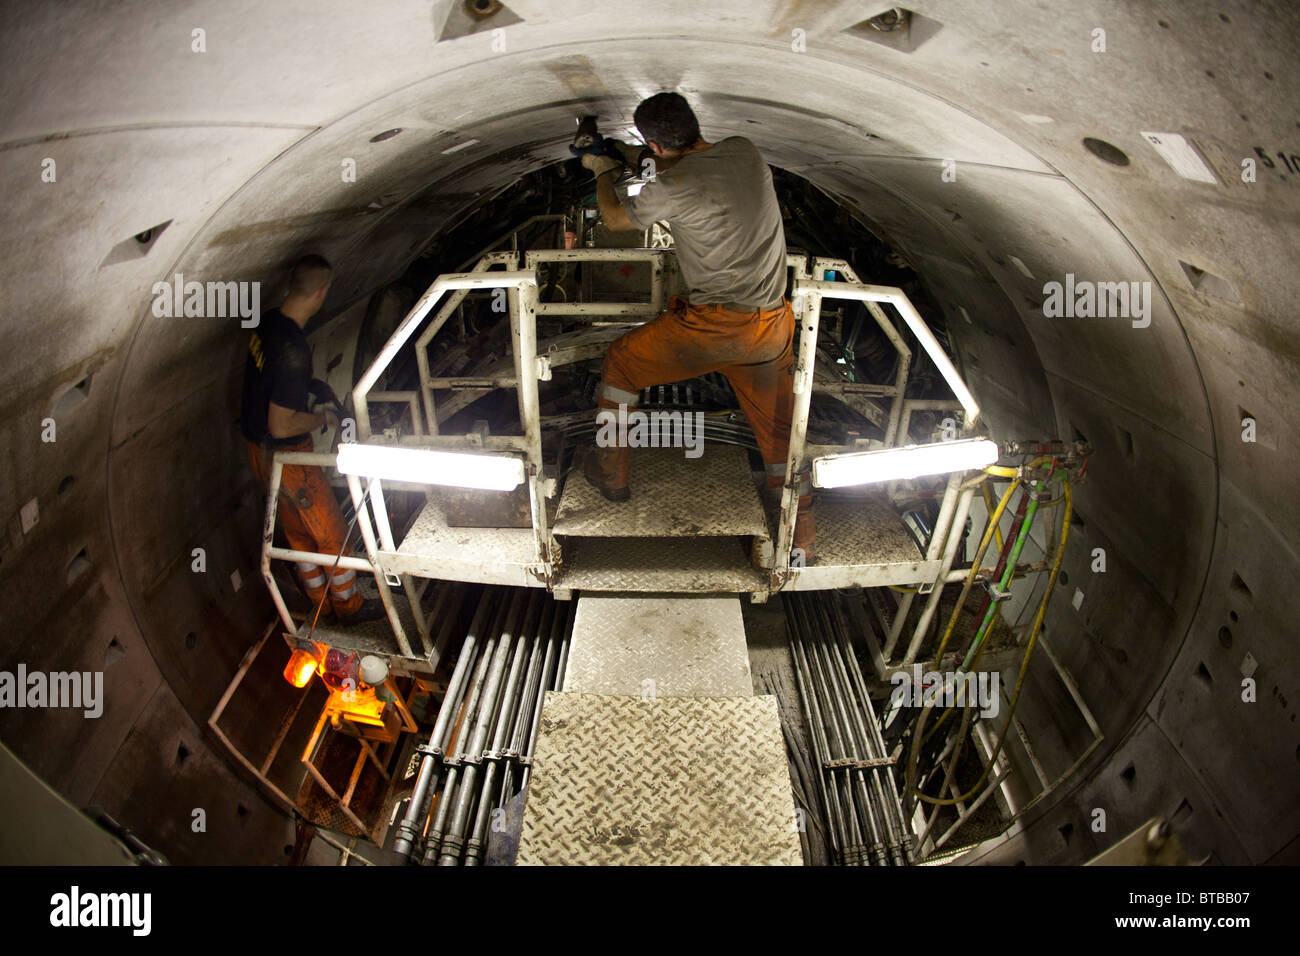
(302,664)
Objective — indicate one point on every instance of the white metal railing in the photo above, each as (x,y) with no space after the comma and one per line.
(369,564)
(500,271)
(806,297)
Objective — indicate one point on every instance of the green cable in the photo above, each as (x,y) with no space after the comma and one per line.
(977,640)
(1008,572)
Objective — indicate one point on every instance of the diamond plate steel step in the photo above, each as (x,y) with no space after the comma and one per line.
(667,781)
(861,542)
(689,565)
(434,549)
(658,645)
(672,496)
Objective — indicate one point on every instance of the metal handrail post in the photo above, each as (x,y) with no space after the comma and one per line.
(390,544)
(372,549)
(896,626)
(268,537)
(523,328)
(953,539)
(807,309)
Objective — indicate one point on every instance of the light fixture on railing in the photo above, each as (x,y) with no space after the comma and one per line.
(431,466)
(894,464)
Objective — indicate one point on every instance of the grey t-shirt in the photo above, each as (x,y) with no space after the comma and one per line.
(725,221)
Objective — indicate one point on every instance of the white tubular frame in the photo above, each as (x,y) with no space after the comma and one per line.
(806,297)
(809,289)
(369,565)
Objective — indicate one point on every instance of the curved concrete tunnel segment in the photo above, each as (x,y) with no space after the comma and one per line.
(241,148)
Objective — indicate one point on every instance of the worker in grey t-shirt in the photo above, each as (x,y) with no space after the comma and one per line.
(720,204)
(725,222)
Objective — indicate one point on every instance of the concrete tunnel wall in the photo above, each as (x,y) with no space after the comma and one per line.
(238,149)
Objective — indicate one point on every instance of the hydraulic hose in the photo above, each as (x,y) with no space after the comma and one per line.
(1024,664)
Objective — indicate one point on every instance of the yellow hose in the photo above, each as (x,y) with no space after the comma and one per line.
(910,787)
(1024,665)
(1009,471)
(1002,471)
(995,516)
(988,505)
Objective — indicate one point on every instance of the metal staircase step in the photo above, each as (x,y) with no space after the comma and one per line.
(690,565)
(666,781)
(672,497)
(658,645)
(862,542)
(657,751)
(369,637)
(432,549)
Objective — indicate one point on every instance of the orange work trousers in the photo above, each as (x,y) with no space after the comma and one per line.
(310,516)
(754,350)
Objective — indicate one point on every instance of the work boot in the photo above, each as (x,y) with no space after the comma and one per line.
(372,609)
(606,469)
(804,527)
(805,531)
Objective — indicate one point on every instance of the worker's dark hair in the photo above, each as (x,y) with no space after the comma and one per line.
(308,274)
(667,119)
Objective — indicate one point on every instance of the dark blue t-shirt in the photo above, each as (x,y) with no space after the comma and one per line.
(278,369)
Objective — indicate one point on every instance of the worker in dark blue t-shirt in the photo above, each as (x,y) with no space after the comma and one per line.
(275,416)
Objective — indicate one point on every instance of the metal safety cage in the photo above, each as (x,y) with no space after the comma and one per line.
(368,565)
(521,289)
(535,563)
(807,293)
(447,293)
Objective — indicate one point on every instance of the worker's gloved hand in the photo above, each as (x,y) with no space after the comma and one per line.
(600,157)
(323,394)
(599,165)
(631,153)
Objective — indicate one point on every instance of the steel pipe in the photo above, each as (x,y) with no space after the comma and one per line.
(856,785)
(407,832)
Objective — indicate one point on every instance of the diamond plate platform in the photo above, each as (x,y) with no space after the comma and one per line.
(690,565)
(861,542)
(672,496)
(670,781)
(369,637)
(431,549)
(862,530)
(668,646)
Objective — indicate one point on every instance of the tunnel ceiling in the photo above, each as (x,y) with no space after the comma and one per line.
(237,152)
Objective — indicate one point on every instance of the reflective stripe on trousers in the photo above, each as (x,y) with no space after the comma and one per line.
(309,514)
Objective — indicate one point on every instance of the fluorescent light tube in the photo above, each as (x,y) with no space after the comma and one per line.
(432,467)
(912,461)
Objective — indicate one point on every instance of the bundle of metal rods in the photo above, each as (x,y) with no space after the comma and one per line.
(717,428)
(858,790)
(479,753)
